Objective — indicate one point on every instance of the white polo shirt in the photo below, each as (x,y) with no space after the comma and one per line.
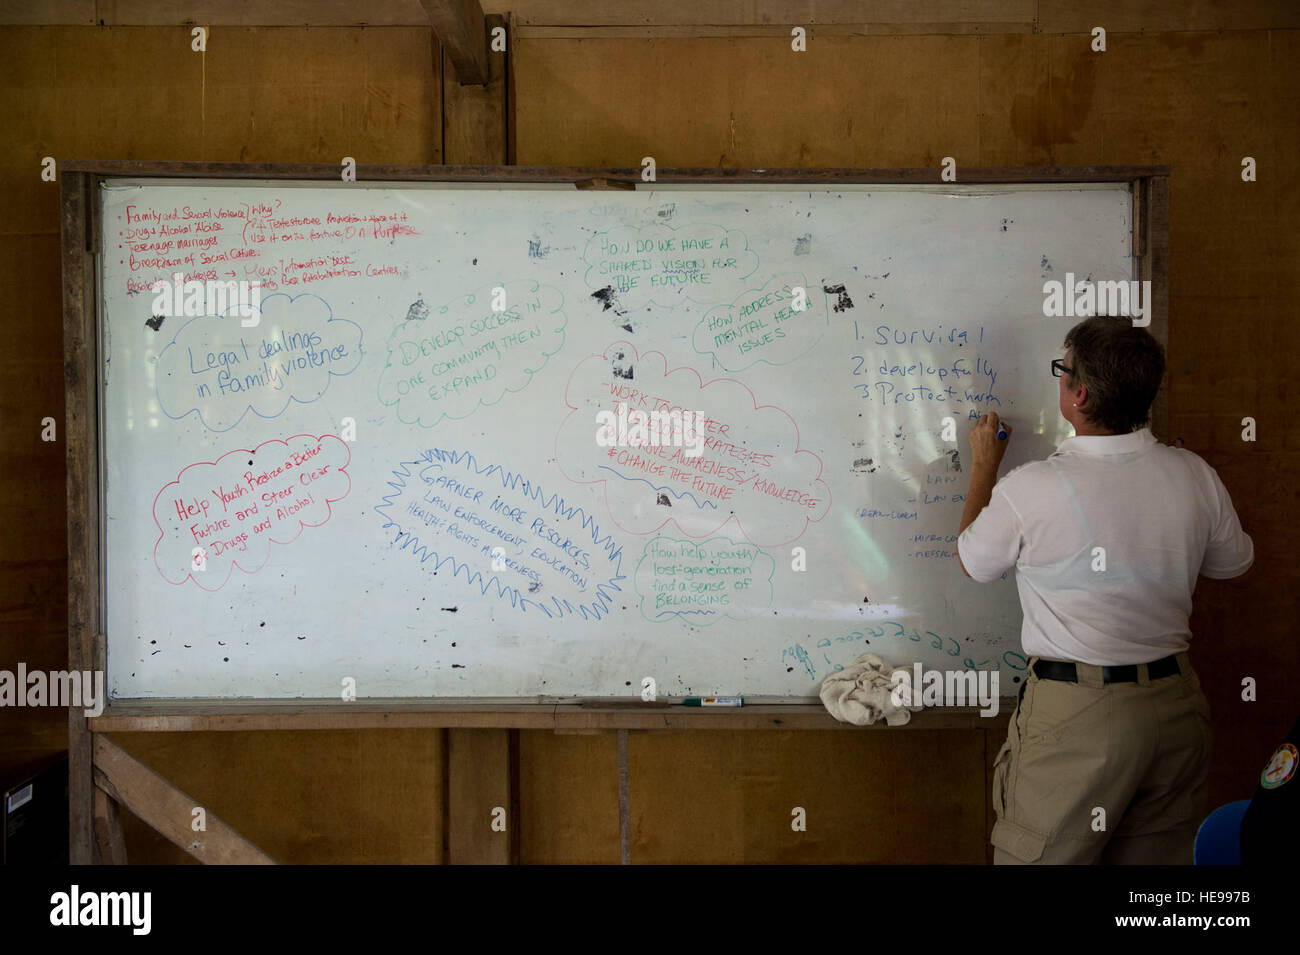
(1161,514)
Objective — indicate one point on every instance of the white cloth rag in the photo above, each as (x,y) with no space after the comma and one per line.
(862,693)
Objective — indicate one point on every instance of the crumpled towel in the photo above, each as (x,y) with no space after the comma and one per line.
(861,693)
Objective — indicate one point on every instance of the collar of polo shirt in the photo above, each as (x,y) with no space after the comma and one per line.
(1109,443)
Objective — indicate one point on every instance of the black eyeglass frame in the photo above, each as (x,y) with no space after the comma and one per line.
(1058,366)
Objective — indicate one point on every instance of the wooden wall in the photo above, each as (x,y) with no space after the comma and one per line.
(698,84)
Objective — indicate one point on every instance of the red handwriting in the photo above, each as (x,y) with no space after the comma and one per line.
(223,514)
(210,243)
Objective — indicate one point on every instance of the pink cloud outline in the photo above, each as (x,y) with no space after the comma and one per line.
(270,540)
(628,346)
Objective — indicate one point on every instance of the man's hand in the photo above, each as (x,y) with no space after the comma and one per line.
(986,449)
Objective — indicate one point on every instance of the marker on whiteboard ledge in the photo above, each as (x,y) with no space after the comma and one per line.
(713,701)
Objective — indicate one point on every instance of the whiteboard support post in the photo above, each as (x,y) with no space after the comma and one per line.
(624,800)
(81,434)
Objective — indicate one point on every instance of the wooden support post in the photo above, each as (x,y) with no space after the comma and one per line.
(624,799)
(474,118)
(478,793)
(459,26)
(168,810)
(108,830)
(480,768)
(79,355)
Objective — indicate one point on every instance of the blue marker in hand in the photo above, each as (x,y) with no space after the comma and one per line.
(1002,432)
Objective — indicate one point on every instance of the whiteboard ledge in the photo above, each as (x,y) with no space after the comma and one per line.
(568,717)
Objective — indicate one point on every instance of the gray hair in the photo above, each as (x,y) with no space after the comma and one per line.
(1121,366)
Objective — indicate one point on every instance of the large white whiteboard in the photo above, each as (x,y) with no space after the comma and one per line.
(373,557)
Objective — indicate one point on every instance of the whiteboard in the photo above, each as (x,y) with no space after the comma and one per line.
(394,476)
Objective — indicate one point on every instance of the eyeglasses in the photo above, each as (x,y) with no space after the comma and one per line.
(1058,366)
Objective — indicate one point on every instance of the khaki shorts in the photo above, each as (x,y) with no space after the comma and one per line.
(1103,773)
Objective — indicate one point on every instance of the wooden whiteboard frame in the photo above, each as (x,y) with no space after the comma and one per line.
(81,232)
(102,775)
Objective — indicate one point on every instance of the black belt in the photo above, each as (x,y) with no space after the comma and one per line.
(1056,670)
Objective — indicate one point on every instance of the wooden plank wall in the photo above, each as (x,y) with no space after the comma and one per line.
(706,83)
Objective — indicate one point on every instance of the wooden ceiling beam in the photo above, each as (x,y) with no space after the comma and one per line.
(460,28)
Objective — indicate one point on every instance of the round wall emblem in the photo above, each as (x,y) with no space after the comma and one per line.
(1280,768)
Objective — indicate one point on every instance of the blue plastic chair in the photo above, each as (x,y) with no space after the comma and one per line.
(1218,841)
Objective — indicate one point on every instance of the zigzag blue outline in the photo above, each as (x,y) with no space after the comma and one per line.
(597,609)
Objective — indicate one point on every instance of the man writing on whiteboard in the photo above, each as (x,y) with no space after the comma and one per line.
(1107,754)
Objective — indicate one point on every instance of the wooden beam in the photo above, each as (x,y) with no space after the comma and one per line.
(482,765)
(624,798)
(569,174)
(460,29)
(168,810)
(773,716)
(108,830)
(615,184)
(592,716)
(83,507)
(516,816)
(1153,266)
(474,118)
(177,716)
(915,16)
(479,793)
(767,32)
